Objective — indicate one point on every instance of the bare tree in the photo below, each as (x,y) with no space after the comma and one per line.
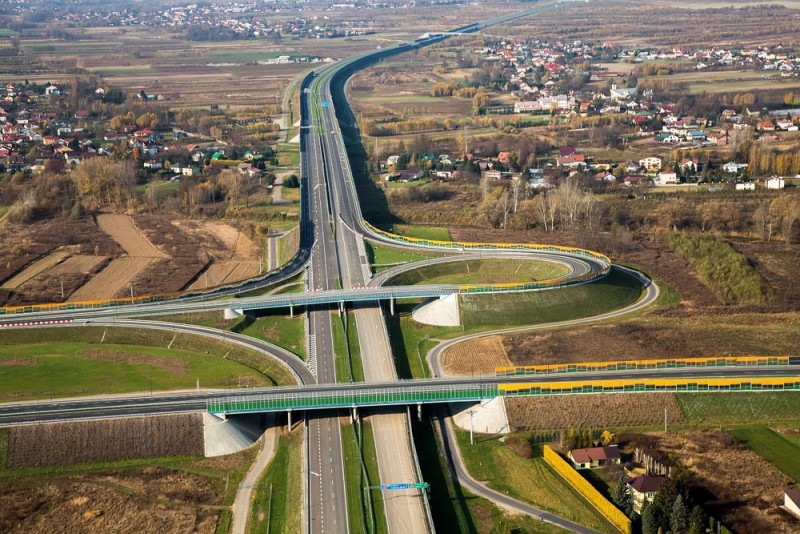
(518,190)
(506,204)
(761,218)
(790,217)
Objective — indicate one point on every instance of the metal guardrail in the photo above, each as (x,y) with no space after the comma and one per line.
(625,365)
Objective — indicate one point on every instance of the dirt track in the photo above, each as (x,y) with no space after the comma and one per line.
(124,232)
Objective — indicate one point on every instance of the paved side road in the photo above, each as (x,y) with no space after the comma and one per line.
(461,476)
(244,495)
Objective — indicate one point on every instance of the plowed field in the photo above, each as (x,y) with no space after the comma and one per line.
(35,268)
(602,411)
(111,280)
(482,356)
(225,272)
(124,232)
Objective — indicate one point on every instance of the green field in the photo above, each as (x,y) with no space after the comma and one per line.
(275,327)
(741,408)
(435,233)
(364,507)
(613,292)
(275,502)
(69,369)
(381,256)
(771,446)
(288,155)
(5,32)
(529,480)
(482,272)
(82,361)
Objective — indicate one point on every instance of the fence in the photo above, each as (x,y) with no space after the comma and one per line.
(582,486)
(625,365)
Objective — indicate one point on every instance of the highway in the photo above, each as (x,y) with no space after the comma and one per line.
(327,501)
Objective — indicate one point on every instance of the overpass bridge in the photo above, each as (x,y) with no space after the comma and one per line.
(427,392)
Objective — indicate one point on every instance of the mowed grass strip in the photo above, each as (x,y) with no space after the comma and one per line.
(72,368)
(273,326)
(434,233)
(740,408)
(771,446)
(380,256)
(279,491)
(613,292)
(482,272)
(529,480)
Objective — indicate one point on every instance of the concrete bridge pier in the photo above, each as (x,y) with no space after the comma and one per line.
(341,307)
(291,311)
(289,424)
(391,306)
(419,412)
(354,415)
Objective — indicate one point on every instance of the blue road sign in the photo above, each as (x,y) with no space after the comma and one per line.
(325,104)
(395,486)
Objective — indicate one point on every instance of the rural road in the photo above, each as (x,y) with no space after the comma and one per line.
(461,476)
(243,502)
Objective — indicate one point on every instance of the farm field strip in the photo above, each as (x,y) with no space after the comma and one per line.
(111,280)
(35,269)
(122,229)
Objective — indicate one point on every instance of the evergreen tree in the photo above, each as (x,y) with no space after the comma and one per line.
(679,516)
(697,521)
(620,491)
(650,519)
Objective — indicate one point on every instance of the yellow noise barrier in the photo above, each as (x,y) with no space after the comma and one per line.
(595,498)
(645,364)
(650,384)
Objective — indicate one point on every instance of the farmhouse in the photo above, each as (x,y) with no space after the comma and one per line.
(665,178)
(643,489)
(594,457)
(733,168)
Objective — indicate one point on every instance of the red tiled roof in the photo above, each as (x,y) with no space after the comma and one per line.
(646,483)
(595,453)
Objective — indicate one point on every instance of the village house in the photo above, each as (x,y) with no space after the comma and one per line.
(651,163)
(594,457)
(745,186)
(643,489)
(733,168)
(665,178)
(776,182)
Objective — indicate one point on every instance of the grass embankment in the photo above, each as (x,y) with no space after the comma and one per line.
(529,480)
(279,490)
(455,509)
(364,506)
(741,408)
(481,272)
(771,446)
(91,360)
(434,233)
(346,348)
(613,292)
(411,340)
(381,257)
(268,325)
(724,270)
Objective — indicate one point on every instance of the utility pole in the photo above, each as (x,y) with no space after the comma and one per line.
(62,287)
(471,440)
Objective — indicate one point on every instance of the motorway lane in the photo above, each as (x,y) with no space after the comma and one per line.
(404,509)
(327,497)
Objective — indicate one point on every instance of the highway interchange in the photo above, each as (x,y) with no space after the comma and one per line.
(337,270)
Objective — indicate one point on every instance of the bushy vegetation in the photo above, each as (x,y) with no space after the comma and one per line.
(724,270)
